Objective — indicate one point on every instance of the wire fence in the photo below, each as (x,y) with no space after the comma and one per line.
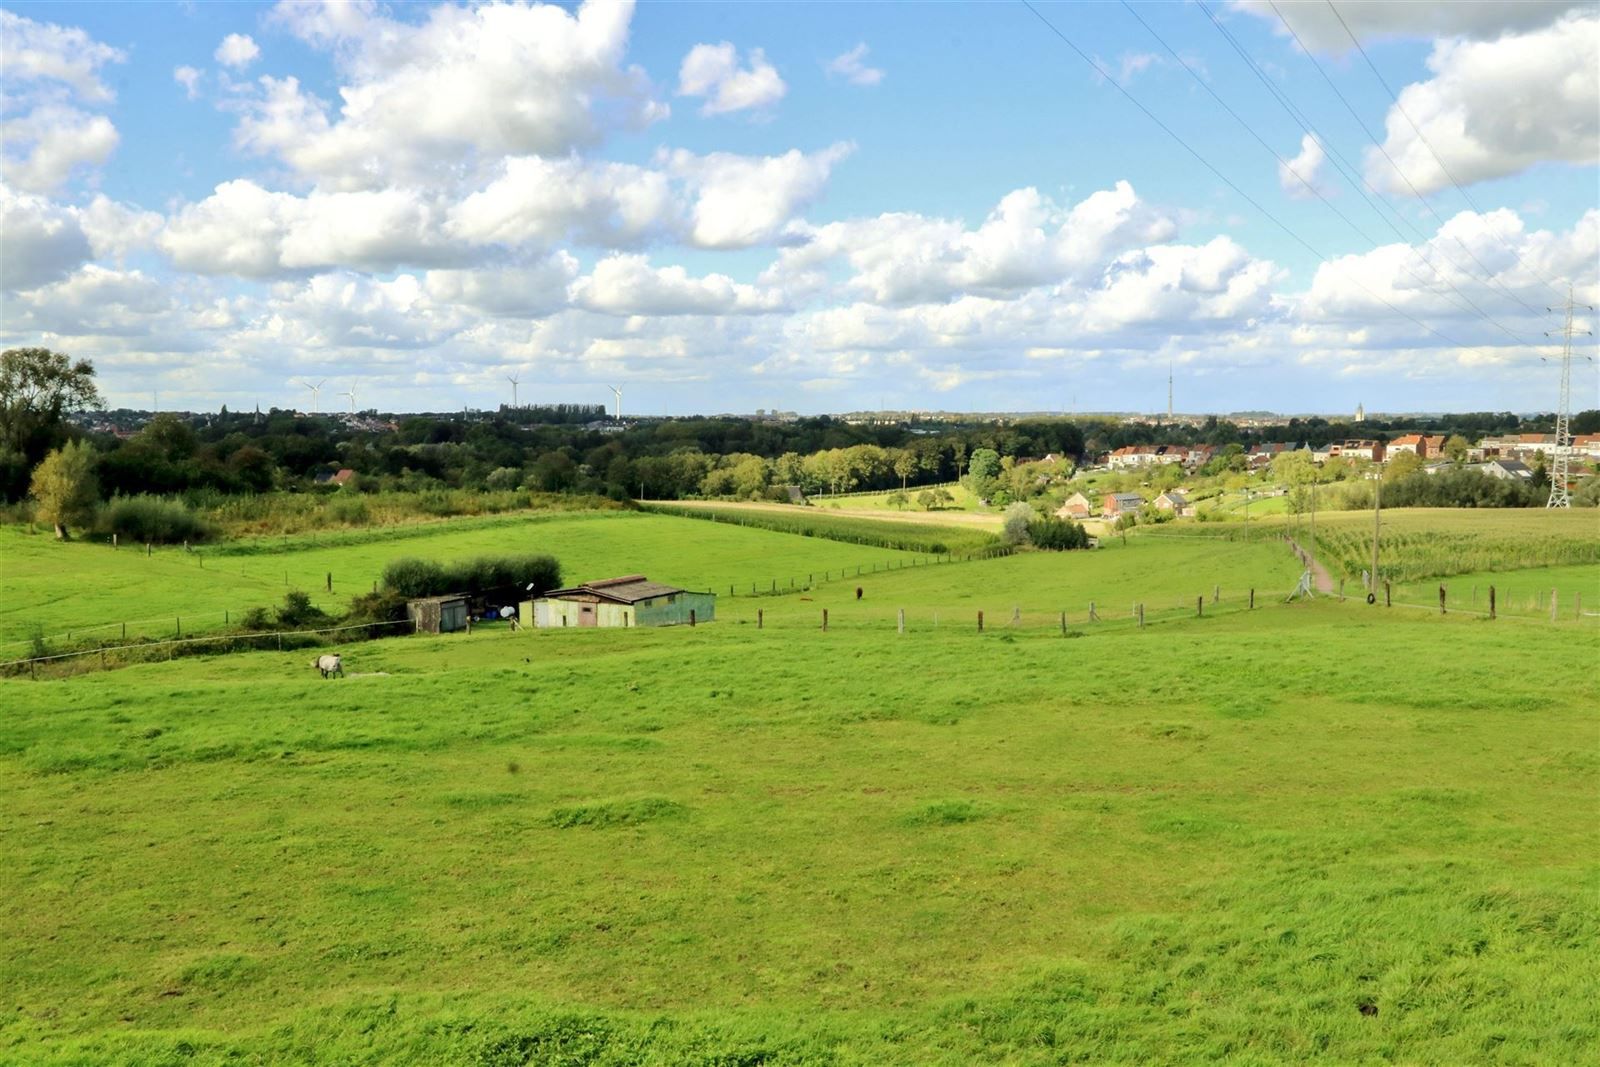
(120,655)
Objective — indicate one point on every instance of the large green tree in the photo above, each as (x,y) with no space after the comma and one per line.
(38,388)
(984,472)
(65,488)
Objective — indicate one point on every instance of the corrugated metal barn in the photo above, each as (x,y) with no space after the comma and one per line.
(632,600)
(438,614)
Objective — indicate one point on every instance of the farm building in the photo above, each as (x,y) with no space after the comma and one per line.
(438,614)
(632,600)
(1075,506)
(1118,504)
(1175,502)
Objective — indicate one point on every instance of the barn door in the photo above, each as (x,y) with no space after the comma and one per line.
(586,615)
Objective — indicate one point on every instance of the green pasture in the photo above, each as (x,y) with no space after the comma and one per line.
(936,532)
(1254,837)
(964,500)
(92,588)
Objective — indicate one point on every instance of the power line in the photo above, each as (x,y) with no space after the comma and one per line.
(1349,171)
(1427,144)
(1204,162)
(1311,188)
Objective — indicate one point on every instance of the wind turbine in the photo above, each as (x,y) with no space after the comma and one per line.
(513,379)
(352,395)
(316,390)
(618,390)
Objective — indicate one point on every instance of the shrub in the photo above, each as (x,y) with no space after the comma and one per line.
(255,619)
(385,605)
(153,519)
(409,578)
(1057,535)
(297,610)
(351,510)
(1014,527)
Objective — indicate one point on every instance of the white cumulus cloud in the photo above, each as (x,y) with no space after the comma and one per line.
(712,71)
(44,138)
(237,51)
(1495,108)
(629,285)
(748,200)
(32,52)
(1318,24)
(852,67)
(189,78)
(468,82)
(1302,174)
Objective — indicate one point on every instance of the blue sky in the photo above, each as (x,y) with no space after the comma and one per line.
(812,207)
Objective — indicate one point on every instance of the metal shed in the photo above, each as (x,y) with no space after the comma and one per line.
(632,600)
(438,614)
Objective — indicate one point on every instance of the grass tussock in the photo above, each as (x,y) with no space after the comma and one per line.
(607,814)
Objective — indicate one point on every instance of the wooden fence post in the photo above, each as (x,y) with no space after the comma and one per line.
(824,620)
(1016,614)
(1441,600)
(113,542)
(691,617)
(980,622)
(760,618)
(124,631)
(1491,602)
(1341,588)
(1577,610)
(147,548)
(1388,601)
(1553,594)
(180,625)
(1199,606)
(1093,615)
(1252,600)
(1216,593)
(1141,616)
(1063,624)
(902,628)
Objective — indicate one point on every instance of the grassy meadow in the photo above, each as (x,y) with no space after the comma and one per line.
(109,587)
(1255,836)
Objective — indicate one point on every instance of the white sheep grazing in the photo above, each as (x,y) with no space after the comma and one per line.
(329,665)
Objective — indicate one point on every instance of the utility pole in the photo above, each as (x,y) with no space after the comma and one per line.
(1561,459)
(1377,511)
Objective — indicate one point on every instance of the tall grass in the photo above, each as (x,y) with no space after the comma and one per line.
(807,522)
(294,513)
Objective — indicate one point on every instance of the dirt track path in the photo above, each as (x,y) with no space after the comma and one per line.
(1319,573)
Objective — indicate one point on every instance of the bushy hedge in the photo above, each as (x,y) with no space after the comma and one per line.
(154,519)
(1057,535)
(410,577)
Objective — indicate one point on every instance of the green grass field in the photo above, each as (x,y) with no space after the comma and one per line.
(106,587)
(1307,831)
(963,500)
